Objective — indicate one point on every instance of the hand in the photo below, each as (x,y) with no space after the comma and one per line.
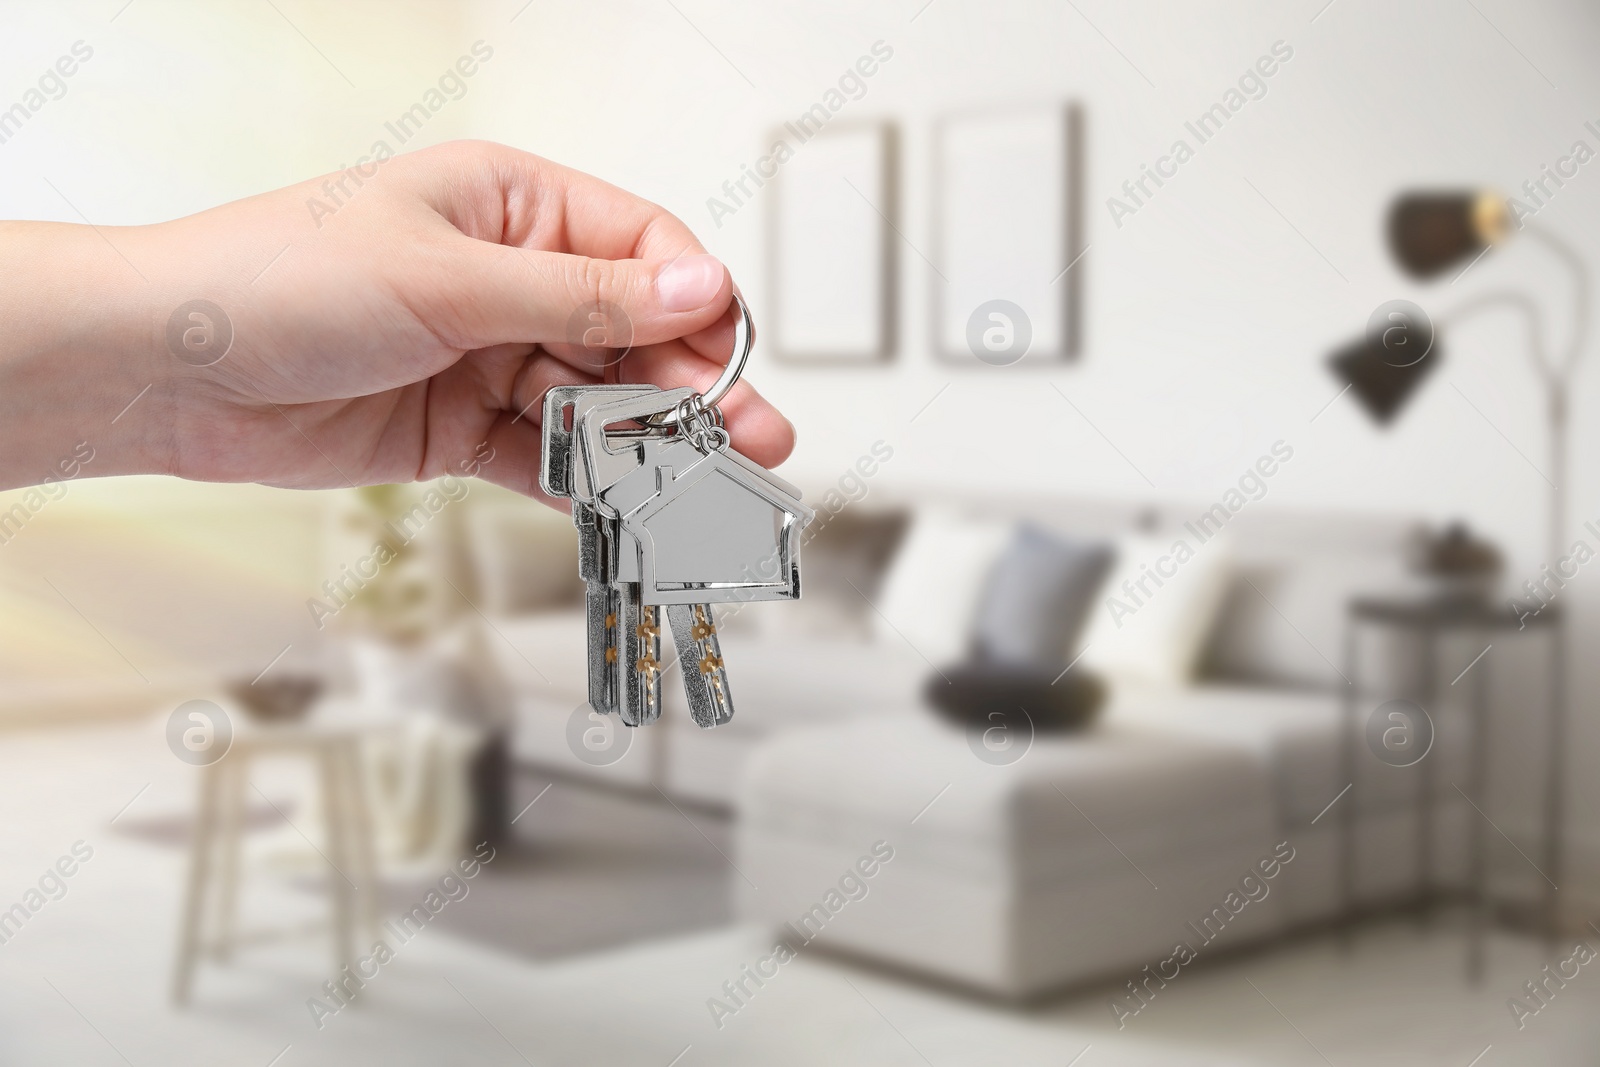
(389,325)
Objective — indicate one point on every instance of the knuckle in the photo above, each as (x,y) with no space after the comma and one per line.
(598,282)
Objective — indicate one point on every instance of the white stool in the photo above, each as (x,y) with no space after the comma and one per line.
(211,904)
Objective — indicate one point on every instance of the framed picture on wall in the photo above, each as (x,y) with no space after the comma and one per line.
(831,246)
(1008,236)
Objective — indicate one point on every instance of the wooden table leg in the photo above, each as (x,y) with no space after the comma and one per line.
(191,922)
(339,885)
(235,775)
(363,850)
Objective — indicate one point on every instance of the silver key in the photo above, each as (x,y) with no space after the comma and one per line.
(594,536)
(625,636)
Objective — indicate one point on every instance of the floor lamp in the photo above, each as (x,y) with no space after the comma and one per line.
(1431,233)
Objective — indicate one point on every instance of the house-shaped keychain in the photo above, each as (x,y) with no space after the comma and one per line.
(712,527)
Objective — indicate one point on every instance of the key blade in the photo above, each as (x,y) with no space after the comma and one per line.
(600,608)
(705,676)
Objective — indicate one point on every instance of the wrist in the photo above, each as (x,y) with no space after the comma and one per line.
(82,381)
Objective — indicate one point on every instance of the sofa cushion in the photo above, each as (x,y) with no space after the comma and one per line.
(933,586)
(1038,595)
(1301,646)
(1156,608)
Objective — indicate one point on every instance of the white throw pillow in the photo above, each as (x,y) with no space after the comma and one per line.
(1155,634)
(931,592)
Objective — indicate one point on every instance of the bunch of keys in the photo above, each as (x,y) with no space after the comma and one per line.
(671,521)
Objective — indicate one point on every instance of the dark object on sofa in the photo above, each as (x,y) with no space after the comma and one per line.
(975,694)
(1028,618)
(1037,598)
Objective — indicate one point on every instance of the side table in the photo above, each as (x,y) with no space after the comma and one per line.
(332,746)
(1431,619)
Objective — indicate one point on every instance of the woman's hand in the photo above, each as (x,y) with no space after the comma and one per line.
(395,323)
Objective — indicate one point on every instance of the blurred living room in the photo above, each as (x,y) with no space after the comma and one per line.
(1191,413)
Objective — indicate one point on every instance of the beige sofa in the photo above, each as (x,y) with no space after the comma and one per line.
(1017,879)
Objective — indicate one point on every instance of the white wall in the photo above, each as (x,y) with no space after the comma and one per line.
(1207,316)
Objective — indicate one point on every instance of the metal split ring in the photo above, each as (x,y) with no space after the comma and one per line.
(701,425)
(744,339)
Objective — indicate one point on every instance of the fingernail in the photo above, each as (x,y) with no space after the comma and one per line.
(689,282)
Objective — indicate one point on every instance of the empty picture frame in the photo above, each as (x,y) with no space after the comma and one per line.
(1008,227)
(832,247)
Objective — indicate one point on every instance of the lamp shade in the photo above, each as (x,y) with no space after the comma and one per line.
(1430,232)
(1380,384)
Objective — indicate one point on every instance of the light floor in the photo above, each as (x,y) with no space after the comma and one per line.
(85,981)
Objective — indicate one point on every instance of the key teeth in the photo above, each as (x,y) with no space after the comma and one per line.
(640,669)
(705,674)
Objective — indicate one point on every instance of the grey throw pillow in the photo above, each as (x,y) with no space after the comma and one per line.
(1037,598)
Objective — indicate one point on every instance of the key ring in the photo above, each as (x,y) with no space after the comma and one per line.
(701,425)
(744,339)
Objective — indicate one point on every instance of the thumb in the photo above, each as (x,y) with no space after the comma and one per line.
(507,294)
